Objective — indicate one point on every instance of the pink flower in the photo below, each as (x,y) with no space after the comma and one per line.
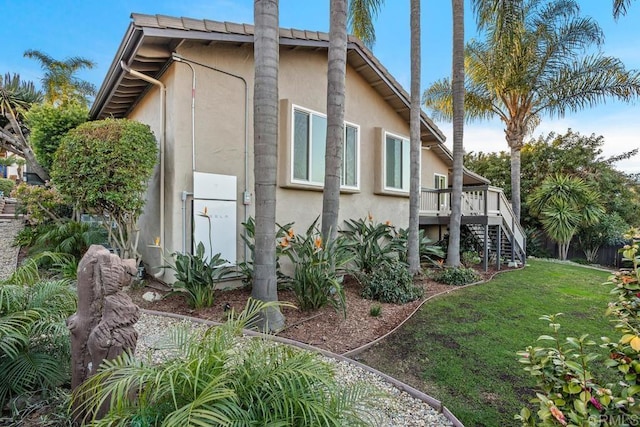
(595,402)
(558,415)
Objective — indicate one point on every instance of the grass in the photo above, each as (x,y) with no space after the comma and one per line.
(461,348)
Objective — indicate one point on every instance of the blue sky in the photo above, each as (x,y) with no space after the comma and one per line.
(93,29)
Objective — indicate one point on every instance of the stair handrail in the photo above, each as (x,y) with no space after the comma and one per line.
(509,220)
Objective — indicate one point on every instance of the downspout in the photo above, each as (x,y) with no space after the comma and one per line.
(246,195)
(163,132)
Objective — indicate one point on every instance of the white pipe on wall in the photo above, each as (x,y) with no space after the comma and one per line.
(246,193)
(163,131)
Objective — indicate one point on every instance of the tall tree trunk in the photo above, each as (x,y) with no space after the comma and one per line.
(457,83)
(265,130)
(20,146)
(337,69)
(515,181)
(413,244)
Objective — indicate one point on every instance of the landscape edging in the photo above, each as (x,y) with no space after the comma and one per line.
(368,345)
(413,392)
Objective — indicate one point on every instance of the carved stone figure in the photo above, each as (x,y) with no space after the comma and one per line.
(102,327)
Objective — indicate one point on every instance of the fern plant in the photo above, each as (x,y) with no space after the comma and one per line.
(70,237)
(220,378)
(34,339)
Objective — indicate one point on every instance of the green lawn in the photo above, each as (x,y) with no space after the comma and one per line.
(461,348)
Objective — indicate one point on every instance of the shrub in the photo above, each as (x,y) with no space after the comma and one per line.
(566,390)
(48,124)
(41,204)
(535,243)
(470,259)
(104,166)
(34,339)
(316,267)
(456,276)
(196,277)
(6,186)
(369,243)
(429,251)
(391,282)
(222,378)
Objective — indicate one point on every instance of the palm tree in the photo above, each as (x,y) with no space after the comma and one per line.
(361,13)
(336,74)
(265,130)
(16,97)
(620,7)
(458,93)
(59,80)
(413,244)
(531,63)
(564,203)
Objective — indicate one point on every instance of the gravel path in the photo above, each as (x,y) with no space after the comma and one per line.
(397,410)
(9,229)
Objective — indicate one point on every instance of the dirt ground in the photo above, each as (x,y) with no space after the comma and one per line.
(324,328)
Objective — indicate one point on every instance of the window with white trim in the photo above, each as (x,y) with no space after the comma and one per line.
(396,163)
(309,142)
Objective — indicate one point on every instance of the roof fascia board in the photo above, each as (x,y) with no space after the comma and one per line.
(130,43)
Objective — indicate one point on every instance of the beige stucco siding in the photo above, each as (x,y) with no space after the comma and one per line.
(303,83)
(148,111)
(220,140)
(432,165)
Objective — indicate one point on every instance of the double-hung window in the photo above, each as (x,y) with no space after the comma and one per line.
(396,163)
(309,142)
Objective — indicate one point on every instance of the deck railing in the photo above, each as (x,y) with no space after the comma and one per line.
(482,200)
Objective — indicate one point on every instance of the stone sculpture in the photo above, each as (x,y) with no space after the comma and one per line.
(102,327)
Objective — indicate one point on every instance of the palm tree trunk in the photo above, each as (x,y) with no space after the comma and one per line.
(515,181)
(265,129)
(413,244)
(457,83)
(337,68)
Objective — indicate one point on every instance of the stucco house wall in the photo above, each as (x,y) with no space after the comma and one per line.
(216,137)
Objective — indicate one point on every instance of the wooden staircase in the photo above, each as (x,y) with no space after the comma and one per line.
(499,246)
(487,214)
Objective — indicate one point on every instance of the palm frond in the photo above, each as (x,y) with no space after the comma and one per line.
(362,14)
(220,378)
(620,8)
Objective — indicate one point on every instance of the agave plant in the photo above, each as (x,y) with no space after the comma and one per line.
(221,378)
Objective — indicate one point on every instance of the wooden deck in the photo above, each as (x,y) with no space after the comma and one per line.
(483,205)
